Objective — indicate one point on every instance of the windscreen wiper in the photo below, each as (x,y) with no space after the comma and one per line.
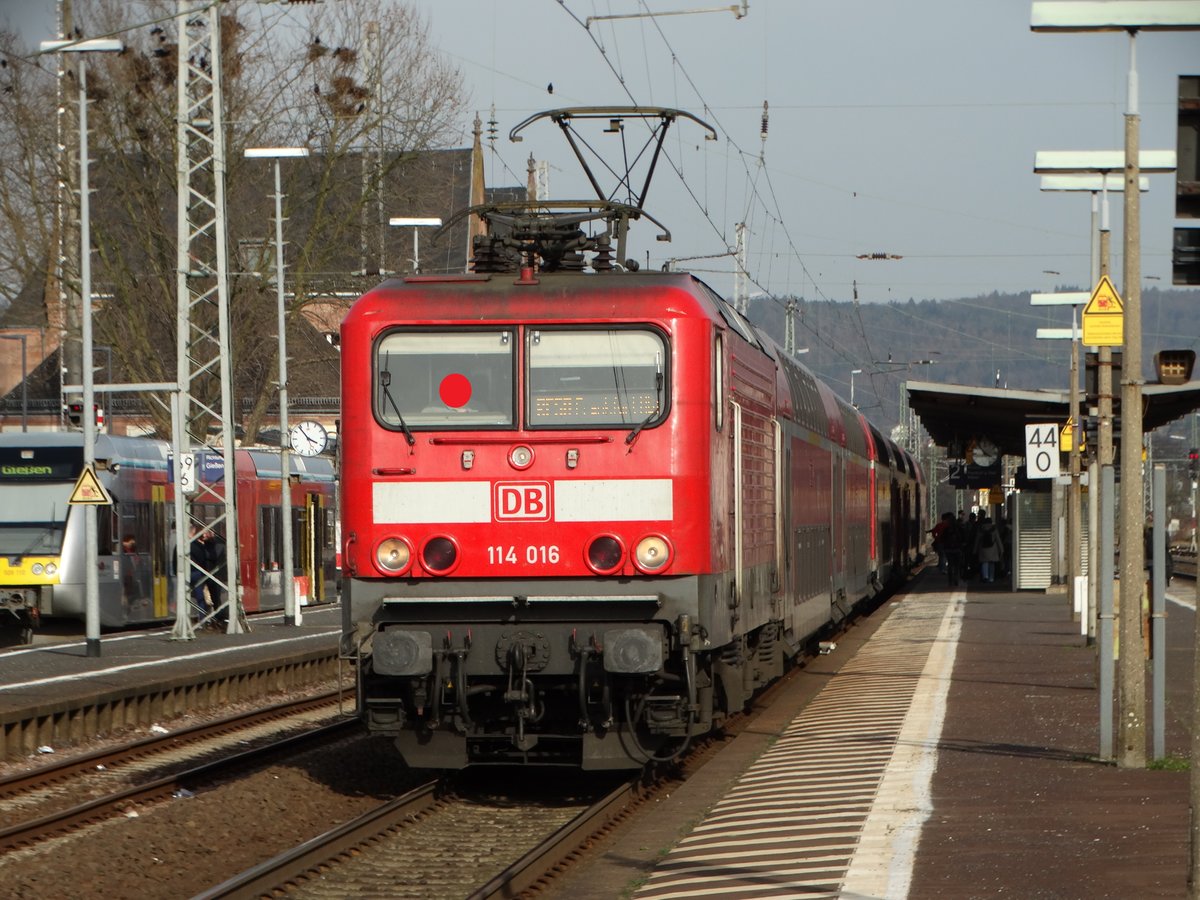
(658,389)
(385,382)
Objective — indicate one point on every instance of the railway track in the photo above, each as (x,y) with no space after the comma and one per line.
(44,802)
(433,842)
(444,839)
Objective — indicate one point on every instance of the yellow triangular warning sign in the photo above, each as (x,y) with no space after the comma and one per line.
(1104,317)
(88,490)
(1105,300)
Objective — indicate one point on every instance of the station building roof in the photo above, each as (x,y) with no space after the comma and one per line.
(957,415)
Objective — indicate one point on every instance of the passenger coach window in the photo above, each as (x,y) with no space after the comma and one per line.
(596,378)
(445,379)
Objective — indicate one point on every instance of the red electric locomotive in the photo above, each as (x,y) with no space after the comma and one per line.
(587,515)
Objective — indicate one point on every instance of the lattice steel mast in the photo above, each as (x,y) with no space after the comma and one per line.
(202,331)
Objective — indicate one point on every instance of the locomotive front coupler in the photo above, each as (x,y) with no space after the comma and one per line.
(517,663)
(521,693)
(689,646)
(585,654)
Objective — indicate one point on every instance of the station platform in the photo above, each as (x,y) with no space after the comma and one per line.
(948,747)
(53,695)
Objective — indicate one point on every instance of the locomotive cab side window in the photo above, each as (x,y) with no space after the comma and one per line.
(445,379)
(596,378)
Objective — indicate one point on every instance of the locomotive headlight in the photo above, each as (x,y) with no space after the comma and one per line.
(652,554)
(51,569)
(37,569)
(604,554)
(630,651)
(520,457)
(439,555)
(393,555)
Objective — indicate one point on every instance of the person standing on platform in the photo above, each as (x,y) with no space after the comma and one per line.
(198,573)
(214,545)
(988,550)
(130,582)
(936,532)
(954,540)
(970,559)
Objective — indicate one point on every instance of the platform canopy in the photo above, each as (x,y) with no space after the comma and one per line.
(957,416)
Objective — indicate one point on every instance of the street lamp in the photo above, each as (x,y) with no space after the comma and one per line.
(91,585)
(416,224)
(853,372)
(24,387)
(291,609)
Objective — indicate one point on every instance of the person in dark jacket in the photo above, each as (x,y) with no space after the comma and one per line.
(198,574)
(989,550)
(217,565)
(954,541)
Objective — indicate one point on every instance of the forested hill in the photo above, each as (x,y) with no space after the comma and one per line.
(987,341)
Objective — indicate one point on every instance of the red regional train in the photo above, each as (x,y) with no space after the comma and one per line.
(586,515)
(42,546)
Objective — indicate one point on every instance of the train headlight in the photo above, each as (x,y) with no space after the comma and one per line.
(604,554)
(394,555)
(520,457)
(38,569)
(439,555)
(398,652)
(652,554)
(51,569)
(633,651)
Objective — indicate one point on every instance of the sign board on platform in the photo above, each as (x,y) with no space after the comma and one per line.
(1104,317)
(88,490)
(1041,450)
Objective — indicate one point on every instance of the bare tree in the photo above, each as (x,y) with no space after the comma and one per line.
(27,166)
(356,82)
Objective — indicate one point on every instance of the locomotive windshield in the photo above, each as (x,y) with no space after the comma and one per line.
(591,378)
(575,378)
(445,379)
(33,519)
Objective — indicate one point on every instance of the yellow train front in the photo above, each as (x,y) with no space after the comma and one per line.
(584,517)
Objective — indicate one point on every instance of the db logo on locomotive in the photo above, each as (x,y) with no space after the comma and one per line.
(526,501)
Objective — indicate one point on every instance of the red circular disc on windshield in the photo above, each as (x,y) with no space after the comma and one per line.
(455,390)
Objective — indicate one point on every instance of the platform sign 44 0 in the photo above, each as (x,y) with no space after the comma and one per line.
(1041,450)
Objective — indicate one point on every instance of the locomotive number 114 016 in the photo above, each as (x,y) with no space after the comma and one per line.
(501,555)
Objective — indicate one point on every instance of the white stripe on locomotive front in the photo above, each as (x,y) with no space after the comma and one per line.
(583,500)
(624,500)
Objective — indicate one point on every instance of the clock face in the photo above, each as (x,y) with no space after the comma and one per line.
(308,438)
(985,453)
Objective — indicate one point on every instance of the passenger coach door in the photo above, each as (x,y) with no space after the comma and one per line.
(313,563)
(838,506)
(160,551)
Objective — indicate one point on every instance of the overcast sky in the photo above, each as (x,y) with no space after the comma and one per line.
(899,128)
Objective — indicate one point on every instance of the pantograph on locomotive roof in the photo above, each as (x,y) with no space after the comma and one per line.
(547,235)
